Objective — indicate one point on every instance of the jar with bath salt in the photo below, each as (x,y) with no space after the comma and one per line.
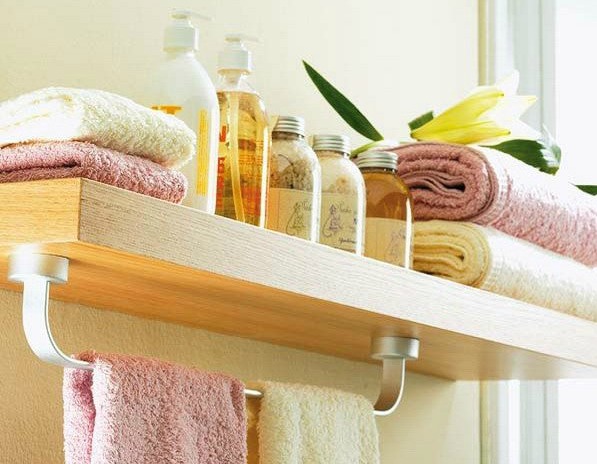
(389,220)
(295,181)
(342,221)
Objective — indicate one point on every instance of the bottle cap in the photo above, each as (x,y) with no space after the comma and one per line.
(377,159)
(181,34)
(292,124)
(235,56)
(340,143)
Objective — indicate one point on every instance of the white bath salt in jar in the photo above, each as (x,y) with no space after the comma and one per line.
(295,181)
(389,220)
(342,221)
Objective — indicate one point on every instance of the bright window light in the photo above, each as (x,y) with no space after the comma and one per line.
(576,89)
(578,421)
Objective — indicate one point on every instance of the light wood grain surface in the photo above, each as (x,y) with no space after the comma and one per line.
(149,258)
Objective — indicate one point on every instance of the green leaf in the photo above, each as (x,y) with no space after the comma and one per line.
(421,120)
(377,145)
(541,154)
(591,189)
(343,106)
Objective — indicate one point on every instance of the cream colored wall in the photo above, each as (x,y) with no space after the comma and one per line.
(394,58)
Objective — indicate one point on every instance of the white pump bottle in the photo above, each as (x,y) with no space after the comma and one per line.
(182,87)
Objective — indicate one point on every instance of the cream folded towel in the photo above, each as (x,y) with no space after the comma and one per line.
(300,424)
(485,258)
(102,118)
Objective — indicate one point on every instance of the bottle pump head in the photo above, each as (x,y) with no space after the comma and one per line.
(181,34)
(235,56)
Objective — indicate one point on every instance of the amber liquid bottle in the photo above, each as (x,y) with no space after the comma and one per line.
(242,157)
(245,139)
(389,219)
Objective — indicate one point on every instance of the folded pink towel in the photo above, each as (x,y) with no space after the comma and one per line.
(144,411)
(59,160)
(490,188)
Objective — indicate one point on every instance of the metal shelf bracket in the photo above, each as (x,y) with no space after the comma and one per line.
(37,272)
(393,352)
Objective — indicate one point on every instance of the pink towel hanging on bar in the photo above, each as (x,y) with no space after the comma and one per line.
(137,410)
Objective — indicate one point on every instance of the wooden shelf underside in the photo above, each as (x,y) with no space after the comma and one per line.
(149,258)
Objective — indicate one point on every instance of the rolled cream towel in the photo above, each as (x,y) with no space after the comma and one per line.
(137,410)
(487,187)
(488,259)
(103,118)
(301,424)
(60,160)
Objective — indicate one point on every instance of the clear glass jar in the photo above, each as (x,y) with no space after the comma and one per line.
(293,202)
(342,221)
(389,209)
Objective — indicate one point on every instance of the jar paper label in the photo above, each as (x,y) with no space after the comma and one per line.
(291,212)
(389,240)
(340,224)
(200,171)
(203,144)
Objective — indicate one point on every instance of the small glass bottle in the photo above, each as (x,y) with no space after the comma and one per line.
(389,209)
(342,221)
(294,194)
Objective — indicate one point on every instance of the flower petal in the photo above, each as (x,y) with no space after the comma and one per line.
(517,130)
(463,113)
(476,132)
(512,107)
(509,84)
(488,114)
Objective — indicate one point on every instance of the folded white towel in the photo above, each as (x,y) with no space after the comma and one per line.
(102,118)
(304,424)
(485,258)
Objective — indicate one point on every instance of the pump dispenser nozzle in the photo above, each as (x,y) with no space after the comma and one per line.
(235,56)
(181,34)
(178,13)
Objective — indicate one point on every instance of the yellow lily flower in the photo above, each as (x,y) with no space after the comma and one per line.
(489,115)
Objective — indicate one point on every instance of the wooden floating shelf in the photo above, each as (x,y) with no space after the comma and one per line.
(149,258)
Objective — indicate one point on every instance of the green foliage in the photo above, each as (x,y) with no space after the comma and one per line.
(591,189)
(541,154)
(343,106)
(421,120)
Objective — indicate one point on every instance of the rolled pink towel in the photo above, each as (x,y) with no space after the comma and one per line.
(144,411)
(490,188)
(59,160)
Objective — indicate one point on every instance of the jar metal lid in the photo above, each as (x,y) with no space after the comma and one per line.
(292,124)
(322,142)
(377,159)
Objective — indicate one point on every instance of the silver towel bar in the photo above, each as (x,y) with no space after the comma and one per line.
(37,271)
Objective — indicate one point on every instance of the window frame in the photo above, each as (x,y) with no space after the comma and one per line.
(519,420)
(520,34)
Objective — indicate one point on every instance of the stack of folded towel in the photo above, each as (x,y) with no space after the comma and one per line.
(61,132)
(493,222)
